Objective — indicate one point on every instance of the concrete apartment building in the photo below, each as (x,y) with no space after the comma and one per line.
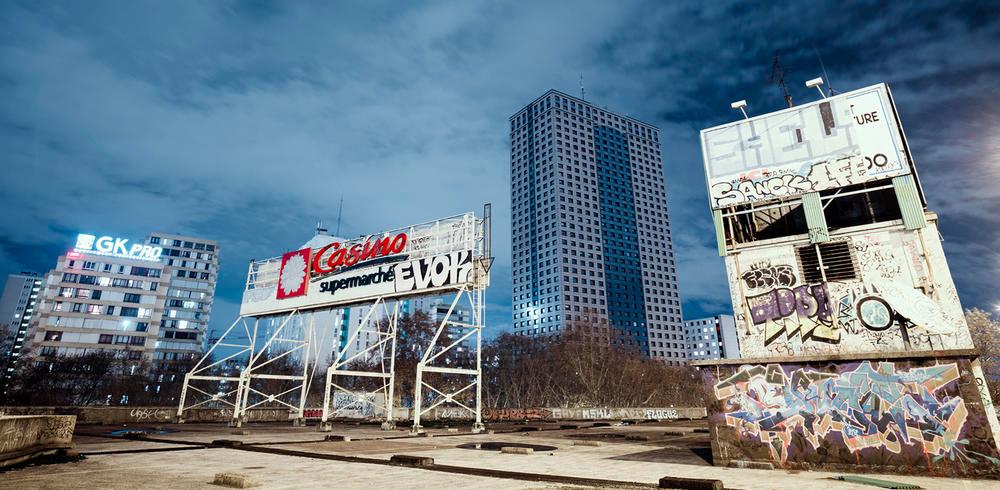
(194,264)
(150,301)
(591,229)
(17,306)
(713,337)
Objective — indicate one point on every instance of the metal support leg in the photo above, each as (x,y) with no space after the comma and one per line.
(389,391)
(324,424)
(417,398)
(179,419)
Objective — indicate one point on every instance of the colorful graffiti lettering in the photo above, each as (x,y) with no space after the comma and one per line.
(803,311)
(865,406)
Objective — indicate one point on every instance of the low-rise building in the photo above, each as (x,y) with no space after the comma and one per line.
(713,337)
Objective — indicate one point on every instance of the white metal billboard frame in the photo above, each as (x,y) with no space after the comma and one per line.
(387,333)
(426,364)
(253,370)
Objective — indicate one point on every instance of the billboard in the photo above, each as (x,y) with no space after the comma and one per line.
(838,141)
(422,259)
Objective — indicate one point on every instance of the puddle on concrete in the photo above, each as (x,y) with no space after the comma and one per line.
(495,446)
(122,432)
(596,436)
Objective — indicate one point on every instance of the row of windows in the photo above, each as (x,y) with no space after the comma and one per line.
(133,270)
(192,274)
(66,292)
(56,336)
(96,309)
(106,281)
(155,240)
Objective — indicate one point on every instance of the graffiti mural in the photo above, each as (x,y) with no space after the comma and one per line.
(356,404)
(900,298)
(858,407)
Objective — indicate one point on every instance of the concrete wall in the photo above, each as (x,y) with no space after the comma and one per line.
(899,415)
(132,415)
(543,414)
(22,436)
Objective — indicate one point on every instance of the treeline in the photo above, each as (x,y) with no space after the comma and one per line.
(578,369)
(95,378)
(574,370)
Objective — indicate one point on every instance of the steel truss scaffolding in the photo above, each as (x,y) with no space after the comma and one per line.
(217,384)
(341,368)
(440,394)
(206,385)
(210,384)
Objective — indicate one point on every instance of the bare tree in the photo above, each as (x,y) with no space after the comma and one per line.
(95,378)
(581,369)
(985,330)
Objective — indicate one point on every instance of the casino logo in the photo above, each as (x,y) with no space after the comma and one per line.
(293,277)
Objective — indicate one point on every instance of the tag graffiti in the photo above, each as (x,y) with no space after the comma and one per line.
(817,176)
(764,276)
(802,312)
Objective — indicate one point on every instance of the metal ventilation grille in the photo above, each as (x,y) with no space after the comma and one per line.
(837,260)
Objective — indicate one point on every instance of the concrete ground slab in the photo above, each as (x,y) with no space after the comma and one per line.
(196,469)
(177,465)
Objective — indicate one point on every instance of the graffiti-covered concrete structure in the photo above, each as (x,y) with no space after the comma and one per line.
(855,348)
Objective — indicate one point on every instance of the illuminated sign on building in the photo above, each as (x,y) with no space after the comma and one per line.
(115,247)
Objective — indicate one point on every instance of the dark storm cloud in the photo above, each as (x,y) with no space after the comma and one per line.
(247,121)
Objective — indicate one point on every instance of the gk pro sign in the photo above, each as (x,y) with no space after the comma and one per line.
(115,247)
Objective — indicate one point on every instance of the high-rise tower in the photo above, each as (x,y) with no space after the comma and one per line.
(590,227)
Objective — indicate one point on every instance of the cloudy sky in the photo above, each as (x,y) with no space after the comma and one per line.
(246,121)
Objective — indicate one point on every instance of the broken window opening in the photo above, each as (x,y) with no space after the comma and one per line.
(747,224)
(861,204)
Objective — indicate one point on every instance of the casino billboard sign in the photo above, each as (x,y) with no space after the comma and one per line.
(422,259)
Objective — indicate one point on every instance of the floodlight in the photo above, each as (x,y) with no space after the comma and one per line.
(741,105)
(816,82)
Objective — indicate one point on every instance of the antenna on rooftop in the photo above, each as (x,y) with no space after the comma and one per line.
(319,228)
(829,84)
(583,94)
(339,211)
(778,77)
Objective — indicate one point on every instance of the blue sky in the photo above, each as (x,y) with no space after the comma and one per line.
(247,121)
